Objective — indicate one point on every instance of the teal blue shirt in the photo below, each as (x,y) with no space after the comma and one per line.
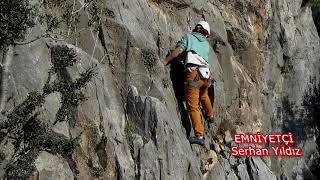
(196,42)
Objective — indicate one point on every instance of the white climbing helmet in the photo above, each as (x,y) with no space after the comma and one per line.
(205,25)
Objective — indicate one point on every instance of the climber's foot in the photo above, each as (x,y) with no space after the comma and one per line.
(196,140)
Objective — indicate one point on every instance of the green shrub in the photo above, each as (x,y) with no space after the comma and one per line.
(96,10)
(71,91)
(129,129)
(149,58)
(16,16)
(58,13)
(31,135)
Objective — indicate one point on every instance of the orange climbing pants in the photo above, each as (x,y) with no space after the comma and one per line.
(196,88)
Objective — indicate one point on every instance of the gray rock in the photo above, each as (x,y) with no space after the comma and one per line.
(149,163)
(6,153)
(137,145)
(297,53)
(227,137)
(233,160)
(242,172)
(222,170)
(51,107)
(62,128)
(259,170)
(157,158)
(52,167)
(266,160)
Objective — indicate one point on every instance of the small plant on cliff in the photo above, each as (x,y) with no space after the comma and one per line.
(71,90)
(149,58)
(16,16)
(32,135)
(128,131)
(165,83)
(59,14)
(96,11)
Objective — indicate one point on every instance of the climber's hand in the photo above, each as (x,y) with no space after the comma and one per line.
(164,61)
(175,53)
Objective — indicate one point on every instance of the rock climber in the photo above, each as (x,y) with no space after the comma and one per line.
(196,78)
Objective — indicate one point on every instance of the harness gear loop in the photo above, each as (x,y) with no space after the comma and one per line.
(192,83)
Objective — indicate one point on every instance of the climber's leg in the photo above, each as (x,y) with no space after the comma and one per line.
(205,100)
(192,101)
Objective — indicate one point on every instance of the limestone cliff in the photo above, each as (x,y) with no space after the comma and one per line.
(83,95)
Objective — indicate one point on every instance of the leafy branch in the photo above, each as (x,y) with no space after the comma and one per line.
(29,133)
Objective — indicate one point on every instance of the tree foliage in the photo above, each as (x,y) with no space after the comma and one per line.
(32,134)
(16,16)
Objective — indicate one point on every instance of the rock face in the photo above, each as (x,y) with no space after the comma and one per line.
(165,153)
(52,167)
(265,60)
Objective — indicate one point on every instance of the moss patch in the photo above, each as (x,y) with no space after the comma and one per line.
(165,82)
(149,58)
(129,129)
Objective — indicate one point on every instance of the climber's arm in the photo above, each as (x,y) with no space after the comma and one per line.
(181,46)
(171,56)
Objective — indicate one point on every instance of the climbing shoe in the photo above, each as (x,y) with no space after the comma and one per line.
(210,119)
(196,140)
